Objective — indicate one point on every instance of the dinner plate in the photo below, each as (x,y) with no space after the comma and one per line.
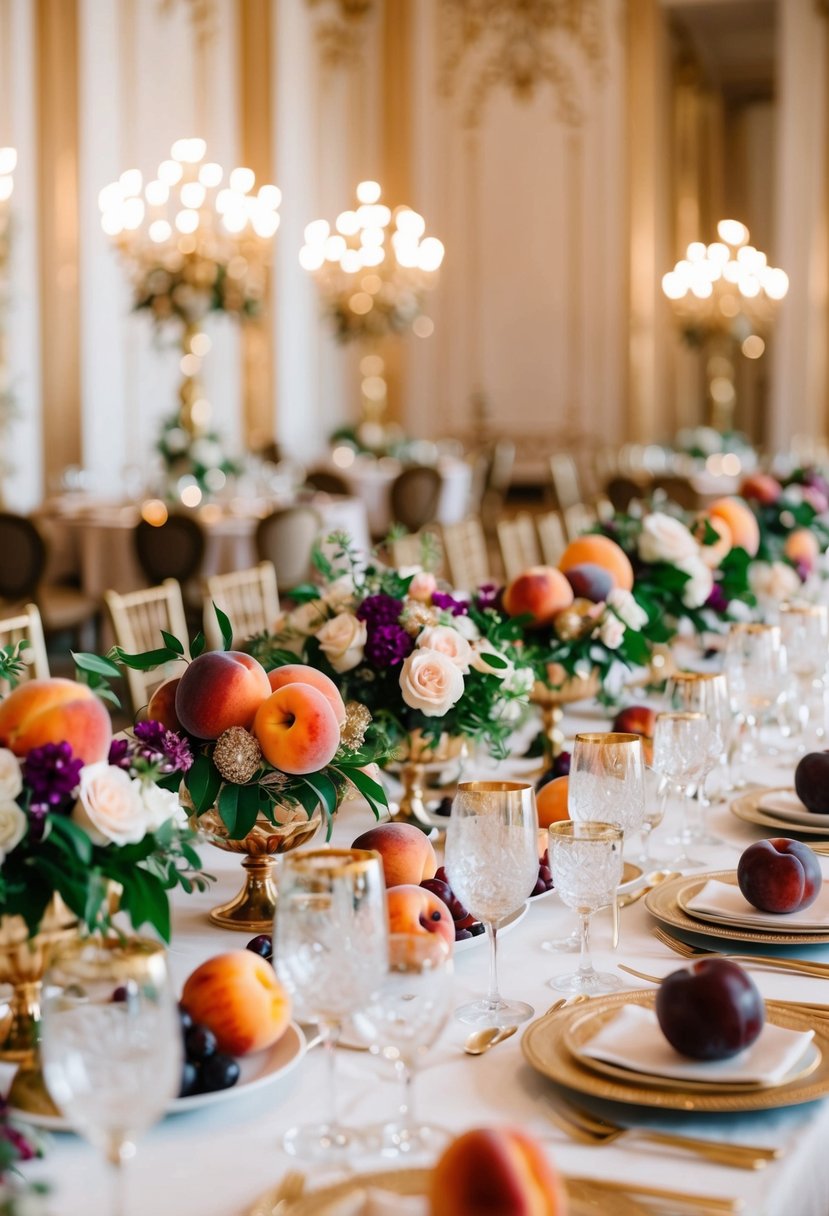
(663,903)
(685,896)
(545,1047)
(256,1072)
(747,807)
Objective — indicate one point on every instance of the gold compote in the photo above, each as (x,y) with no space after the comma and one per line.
(417,758)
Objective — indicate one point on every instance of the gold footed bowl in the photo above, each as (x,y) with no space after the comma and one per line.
(551,701)
(252,910)
(417,759)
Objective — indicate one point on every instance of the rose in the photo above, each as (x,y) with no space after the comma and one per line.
(422,586)
(482,656)
(700,582)
(13,824)
(773,580)
(665,539)
(626,608)
(339,594)
(342,640)
(431,682)
(449,642)
(11,779)
(466,627)
(109,807)
(308,618)
(611,632)
(159,804)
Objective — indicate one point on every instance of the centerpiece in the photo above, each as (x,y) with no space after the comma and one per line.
(792,514)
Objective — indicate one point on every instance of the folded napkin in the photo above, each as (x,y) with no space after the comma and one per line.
(374,1202)
(785,804)
(633,1040)
(722,899)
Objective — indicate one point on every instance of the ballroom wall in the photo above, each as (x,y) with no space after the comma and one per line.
(555,209)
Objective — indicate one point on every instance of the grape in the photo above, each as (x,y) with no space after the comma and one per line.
(219,1072)
(441,874)
(462,935)
(185,1019)
(261,945)
(539,888)
(438,887)
(545,874)
(120,994)
(189,1079)
(477,929)
(199,1043)
(444,807)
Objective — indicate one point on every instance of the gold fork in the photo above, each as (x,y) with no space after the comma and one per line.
(681,1201)
(589,1128)
(797,966)
(289,1190)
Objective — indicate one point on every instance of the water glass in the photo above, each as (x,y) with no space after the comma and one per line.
(330,949)
(607,780)
(707,693)
(491,860)
(755,668)
(681,756)
(804,631)
(586,860)
(111,1043)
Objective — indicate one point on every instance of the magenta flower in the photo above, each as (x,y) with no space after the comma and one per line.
(388,645)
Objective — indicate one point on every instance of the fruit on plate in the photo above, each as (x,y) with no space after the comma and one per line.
(297,729)
(811,782)
(465,924)
(502,1171)
(218,690)
(551,801)
(710,1010)
(601,551)
(55,711)
(406,852)
(779,875)
(412,909)
(539,593)
(301,673)
(239,998)
(205,1068)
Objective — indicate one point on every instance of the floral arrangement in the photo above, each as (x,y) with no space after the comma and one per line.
(201,457)
(793,535)
(419,658)
(700,442)
(17,1144)
(185,287)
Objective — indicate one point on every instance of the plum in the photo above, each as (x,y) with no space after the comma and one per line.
(590,582)
(710,1010)
(811,781)
(779,875)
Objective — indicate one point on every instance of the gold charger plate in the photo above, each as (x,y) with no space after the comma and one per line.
(574,1041)
(685,895)
(663,903)
(583,1200)
(545,1048)
(747,807)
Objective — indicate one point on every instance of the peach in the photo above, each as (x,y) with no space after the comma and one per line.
(414,910)
(638,720)
(297,729)
(741,521)
(301,673)
(761,488)
(239,998)
(406,852)
(714,554)
(162,706)
(218,690)
(55,711)
(501,1171)
(540,592)
(551,801)
(599,551)
(802,548)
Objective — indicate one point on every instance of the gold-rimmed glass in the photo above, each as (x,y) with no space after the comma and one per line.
(804,630)
(330,950)
(705,692)
(586,860)
(681,747)
(755,669)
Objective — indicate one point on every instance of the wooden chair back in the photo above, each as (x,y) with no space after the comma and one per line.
(26,626)
(518,543)
(578,519)
(286,539)
(551,536)
(414,496)
(565,481)
(137,620)
(249,597)
(465,554)
(174,549)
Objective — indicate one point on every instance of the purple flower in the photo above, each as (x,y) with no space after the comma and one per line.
(119,754)
(804,571)
(448,603)
(51,773)
(380,610)
(388,645)
(158,744)
(717,600)
(489,595)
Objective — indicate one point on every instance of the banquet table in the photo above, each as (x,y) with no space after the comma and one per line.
(216,1161)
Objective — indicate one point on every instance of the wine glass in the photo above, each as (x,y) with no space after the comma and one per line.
(111,1043)
(607,780)
(331,952)
(586,860)
(403,1019)
(654,814)
(491,860)
(681,750)
(755,668)
(707,693)
(804,630)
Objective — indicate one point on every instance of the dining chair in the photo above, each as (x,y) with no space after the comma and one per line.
(414,496)
(551,537)
(465,554)
(286,539)
(26,626)
(497,483)
(249,598)
(578,519)
(565,481)
(137,620)
(410,549)
(327,482)
(173,549)
(518,543)
(622,491)
(676,489)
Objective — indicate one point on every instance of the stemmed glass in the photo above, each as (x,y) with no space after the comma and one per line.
(586,860)
(681,750)
(755,668)
(805,633)
(404,1018)
(331,952)
(491,860)
(707,693)
(607,780)
(111,1043)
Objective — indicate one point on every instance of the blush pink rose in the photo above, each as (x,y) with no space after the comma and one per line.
(431,682)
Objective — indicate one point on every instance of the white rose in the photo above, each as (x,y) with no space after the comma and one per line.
(13,824)
(431,682)
(448,641)
(483,653)
(467,628)
(520,681)
(307,618)
(342,641)
(109,808)
(700,582)
(11,779)
(611,632)
(159,804)
(665,539)
(773,580)
(626,607)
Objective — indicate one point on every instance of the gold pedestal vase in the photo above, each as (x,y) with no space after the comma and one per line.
(551,702)
(417,760)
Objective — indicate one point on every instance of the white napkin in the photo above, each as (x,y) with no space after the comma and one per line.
(723,899)
(785,804)
(634,1040)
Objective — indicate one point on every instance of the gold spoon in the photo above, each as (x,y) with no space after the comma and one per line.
(481,1040)
(651,880)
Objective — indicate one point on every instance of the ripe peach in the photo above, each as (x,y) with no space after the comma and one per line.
(301,673)
(638,720)
(162,706)
(406,852)
(55,711)
(218,690)
(239,998)
(714,554)
(599,551)
(741,521)
(413,909)
(802,548)
(502,1171)
(297,729)
(551,801)
(762,488)
(540,592)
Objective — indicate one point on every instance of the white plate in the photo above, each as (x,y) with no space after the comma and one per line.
(504,926)
(256,1071)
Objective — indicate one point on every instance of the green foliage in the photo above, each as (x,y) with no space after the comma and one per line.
(11,664)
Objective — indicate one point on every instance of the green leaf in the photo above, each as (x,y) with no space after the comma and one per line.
(203,780)
(95,663)
(74,836)
(224,626)
(144,899)
(197,646)
(228,804)
(371,790)
(148,660)
(325,789)
(247,809)
(173,642)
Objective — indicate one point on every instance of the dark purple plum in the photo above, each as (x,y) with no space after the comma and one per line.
(710,1010)
(779,875)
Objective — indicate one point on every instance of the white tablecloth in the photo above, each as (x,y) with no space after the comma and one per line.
(216,1161)
(370,480)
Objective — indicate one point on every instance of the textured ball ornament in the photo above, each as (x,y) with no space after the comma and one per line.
(237,755)
(576,621)
(353,730)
